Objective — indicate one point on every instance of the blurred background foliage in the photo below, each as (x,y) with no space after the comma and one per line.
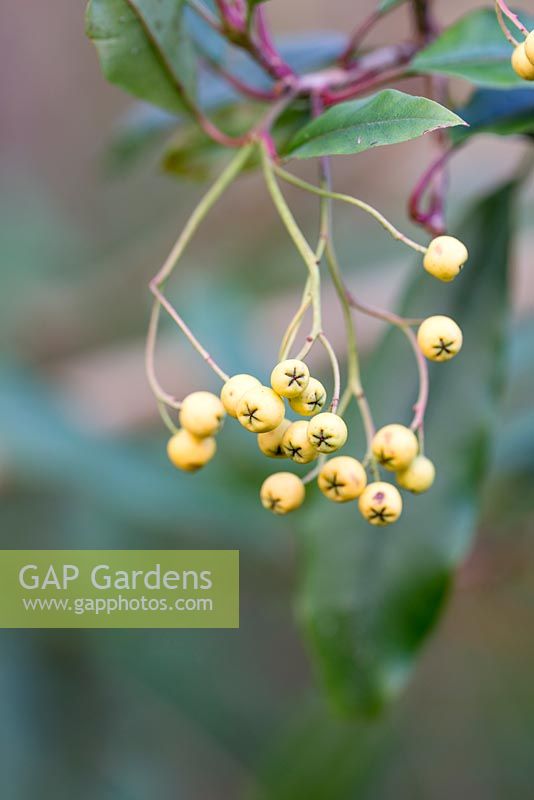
(127,715)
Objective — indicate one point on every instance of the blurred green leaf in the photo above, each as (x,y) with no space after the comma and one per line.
(473,48)
(144,48)
(497,111)
(370,597)
(384,118)
(142,129)
(508,495)
(192,154)
(319,756)
(43,448)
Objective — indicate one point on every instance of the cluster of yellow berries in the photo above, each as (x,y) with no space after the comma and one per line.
(343,479)
(523,58)
(262,410)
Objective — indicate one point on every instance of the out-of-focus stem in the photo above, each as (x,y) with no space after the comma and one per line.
(504,28)
(514,19)
(165,416)
(150,348)
(157,283)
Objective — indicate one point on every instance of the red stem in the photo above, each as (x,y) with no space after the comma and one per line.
(211,130)
(358,36)
(252,92)
(433,217)
(231,17)
(332,97)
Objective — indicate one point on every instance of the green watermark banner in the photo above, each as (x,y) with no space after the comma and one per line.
(119,589)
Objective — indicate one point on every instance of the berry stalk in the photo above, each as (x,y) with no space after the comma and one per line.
(158,282)
(347,198)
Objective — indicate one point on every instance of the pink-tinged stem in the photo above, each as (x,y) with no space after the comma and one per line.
(263,95)
(186,330)
(264,34)
(380,313)
(332,97)
(358,36)
(267,49)
(422,368)
(502,25)
(211,130)
(432,218)
(150,350)
(403,323)
(514,19)
(231,16)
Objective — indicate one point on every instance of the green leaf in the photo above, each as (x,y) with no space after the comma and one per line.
(370,597)
(475,49)
(388,117)
(192,154)
(143,47)
(504,113)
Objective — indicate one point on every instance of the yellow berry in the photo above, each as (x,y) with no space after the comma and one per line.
(234,389)
(327,432)
(296,445)
(270,443)
(521,62)
(282,492)
(380,503)
(529,47)
(342,479)
(260,410)
(202,414)
(418,476)
(290,378)
(439,338)
(395,446)
(445,257)
(312,399)
(189,452)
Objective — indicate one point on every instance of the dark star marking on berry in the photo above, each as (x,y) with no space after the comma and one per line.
(293,451)
(381,514)
(384,459)
(334,485)
(322,438)
(316,402)
(295,377)
(444,347)
(273,502)
(250,414)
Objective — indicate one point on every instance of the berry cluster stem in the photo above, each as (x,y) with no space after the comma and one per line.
(158,282)
(302,246)
(347,198)
(294,325)
(404,324)
(354,383)
(504,27)
(502,8)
